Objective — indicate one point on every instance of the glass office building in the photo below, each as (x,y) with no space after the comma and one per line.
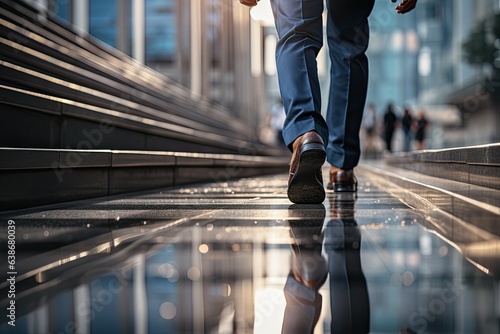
(111,21)
(392,53)
(203,45)
(418,60)
(444,76)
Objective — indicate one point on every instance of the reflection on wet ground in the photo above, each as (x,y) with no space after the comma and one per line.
(238,257)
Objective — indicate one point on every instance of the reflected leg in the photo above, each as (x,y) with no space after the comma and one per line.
(308,270)
(349,301)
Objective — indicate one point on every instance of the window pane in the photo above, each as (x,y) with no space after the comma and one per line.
(103,20)
(61,8)
(160,31)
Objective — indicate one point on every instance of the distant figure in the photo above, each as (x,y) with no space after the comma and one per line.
(420,131)
(407,126)
(369,125)
(277,120)
(390,122)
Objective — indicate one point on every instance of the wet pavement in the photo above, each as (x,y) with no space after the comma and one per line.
(238,257)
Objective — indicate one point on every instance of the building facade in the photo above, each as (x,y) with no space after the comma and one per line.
(392,54)
(417,59)
(204,45)
(445,78)
(216,49)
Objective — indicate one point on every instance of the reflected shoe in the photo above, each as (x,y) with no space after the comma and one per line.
(342,205)
(305,182)
(249,3)
(342,180)
(308,266)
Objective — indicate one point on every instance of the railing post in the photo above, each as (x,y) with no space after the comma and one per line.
(196,49)
(81,16)
(139,31)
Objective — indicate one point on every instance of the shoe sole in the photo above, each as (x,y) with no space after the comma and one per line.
(305,188)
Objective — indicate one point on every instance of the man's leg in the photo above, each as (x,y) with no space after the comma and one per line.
(348,36)
(300,32)
(299,26)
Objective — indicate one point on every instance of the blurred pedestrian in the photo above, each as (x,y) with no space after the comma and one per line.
(420,131)
(407,126)
(277,120)
(390,124)
(299,24)
(370,126)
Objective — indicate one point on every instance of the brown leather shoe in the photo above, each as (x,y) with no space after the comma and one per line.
(249,3)
(342,180)
(305,182)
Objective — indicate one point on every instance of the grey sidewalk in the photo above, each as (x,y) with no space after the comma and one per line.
(215,257)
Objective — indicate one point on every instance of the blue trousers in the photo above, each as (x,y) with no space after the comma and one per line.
(299,24)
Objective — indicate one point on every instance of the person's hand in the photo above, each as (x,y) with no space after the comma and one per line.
(249,3)
(406,6)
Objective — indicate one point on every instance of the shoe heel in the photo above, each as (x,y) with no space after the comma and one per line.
(313,155)
(312,147)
